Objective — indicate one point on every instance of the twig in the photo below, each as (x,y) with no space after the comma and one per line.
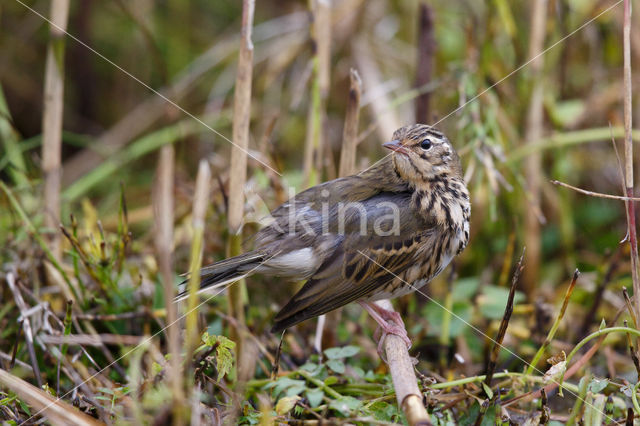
(92,339)
(238,176)
(628,152)
(200,201)
(164,213)
(508,310)
(632,352)
(404,378)
(426,47)
(52,121)
(594,194)
(56,410)
(350,133)
(321,45)
(556,323)
(534,127)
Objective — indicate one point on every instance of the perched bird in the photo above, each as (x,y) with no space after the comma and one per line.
(379,234)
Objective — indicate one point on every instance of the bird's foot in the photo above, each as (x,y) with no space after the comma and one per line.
(389,322)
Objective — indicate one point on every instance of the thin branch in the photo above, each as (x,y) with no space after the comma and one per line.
(350,133)
(508,310)
(594,194)
(52,121)
(628,152)
(237,179)
(163,214)
(404,378)
(426,52)
(54,409)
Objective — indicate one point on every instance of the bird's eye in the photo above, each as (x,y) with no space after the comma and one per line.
(426,144)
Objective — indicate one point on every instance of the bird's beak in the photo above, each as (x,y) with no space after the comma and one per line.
(396,146)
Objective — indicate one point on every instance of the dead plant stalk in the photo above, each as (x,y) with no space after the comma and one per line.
(163,212)
(200,201)
(403,376)
(238,175)
(52,121)
(628,152)
(534,126)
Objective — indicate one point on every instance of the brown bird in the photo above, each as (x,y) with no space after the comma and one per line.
(379,234)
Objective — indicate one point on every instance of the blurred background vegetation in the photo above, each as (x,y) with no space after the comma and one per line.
(551,119)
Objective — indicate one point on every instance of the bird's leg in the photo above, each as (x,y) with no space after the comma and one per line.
(390,323)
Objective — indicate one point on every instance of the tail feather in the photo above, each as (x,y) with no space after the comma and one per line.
(224,272)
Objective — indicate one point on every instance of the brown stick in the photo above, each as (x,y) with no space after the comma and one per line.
(238,176)
(57,411)
(163,213)
(508,310)
(628,151)
(404,378)
(424,66)
(350,133)
(594,194)
(52,121)
(533,163)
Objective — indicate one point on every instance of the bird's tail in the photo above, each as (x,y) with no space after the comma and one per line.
(224,272)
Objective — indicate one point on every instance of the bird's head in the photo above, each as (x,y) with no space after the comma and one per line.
(421,153)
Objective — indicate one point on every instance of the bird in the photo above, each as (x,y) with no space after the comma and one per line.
(381,233)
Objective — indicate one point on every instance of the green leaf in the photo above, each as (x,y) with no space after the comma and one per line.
(314,396)
(224,352)
(597,385)
(284,383)
(433,313)
(336,365)
(469,417)
(295,390)
(286,404)
(465,288)
(384,411)
(487,390)
(494,300)
(330,380)
(345,405)
(339,353)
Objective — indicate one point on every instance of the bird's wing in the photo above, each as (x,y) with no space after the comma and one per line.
(360,264)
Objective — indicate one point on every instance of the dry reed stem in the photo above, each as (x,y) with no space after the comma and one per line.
(594,194)
(424,66)
(628,152)
(350,133)
(534,126)
(200,202)
(163,213)
(56,410)
(238,175)
(403,376)
(97,340)
(313,159)
(52,121)
(502,331)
